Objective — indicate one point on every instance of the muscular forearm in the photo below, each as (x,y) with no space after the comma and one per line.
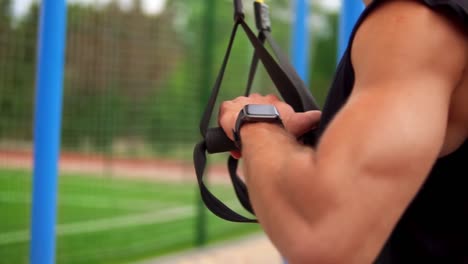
(276,167)
(273,159)
(305,202)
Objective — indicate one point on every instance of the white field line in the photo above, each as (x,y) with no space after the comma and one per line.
(88,201)
(105,224)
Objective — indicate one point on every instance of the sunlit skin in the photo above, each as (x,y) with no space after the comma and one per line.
(339,202)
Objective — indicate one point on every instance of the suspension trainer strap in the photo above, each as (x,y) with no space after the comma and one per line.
(212,203)
(253,67)
(290,92)
(264,27)
(205,122)
(289,85)
(239,186)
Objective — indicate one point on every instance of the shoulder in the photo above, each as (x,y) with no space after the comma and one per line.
(404,38)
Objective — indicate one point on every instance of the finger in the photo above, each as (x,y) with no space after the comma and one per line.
(300,123)
(272,98)
(239,99)
(222,108)
(225,119)
(255,95)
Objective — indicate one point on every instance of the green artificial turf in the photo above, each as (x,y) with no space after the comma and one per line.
(111,220)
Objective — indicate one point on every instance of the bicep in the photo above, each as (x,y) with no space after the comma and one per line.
(379,149)
(373,159)
(407,62)
(384,135)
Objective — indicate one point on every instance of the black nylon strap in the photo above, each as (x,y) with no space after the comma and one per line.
(282,82)
(213,203)
(239,186)
(205,122)
(253,66)
(305,95)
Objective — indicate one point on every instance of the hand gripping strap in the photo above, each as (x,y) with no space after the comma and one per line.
(291,88)
(308,103)
(211,202)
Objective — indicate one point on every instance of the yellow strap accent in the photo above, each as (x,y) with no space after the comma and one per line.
(259,1)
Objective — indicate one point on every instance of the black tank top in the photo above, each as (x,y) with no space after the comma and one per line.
(434,228)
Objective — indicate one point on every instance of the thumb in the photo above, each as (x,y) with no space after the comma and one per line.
(300,123)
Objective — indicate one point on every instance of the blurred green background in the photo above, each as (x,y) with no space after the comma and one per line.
(136,82)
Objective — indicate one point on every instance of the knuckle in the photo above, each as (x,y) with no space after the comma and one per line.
(272,97)
(238,99)
(221,120)
(224,105)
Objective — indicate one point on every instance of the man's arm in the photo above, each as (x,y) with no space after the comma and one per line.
(340,202)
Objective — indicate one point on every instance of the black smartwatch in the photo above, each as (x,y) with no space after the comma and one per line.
(254,113)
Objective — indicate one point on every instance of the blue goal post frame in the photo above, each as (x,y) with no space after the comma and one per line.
(301,38)
(47,125)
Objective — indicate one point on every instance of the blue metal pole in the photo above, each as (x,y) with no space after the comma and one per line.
(350,12)
(48,109)
(300,51)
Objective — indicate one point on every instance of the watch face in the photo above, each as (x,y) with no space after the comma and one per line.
(268,111)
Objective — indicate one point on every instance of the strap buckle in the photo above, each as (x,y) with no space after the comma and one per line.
(262,16)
